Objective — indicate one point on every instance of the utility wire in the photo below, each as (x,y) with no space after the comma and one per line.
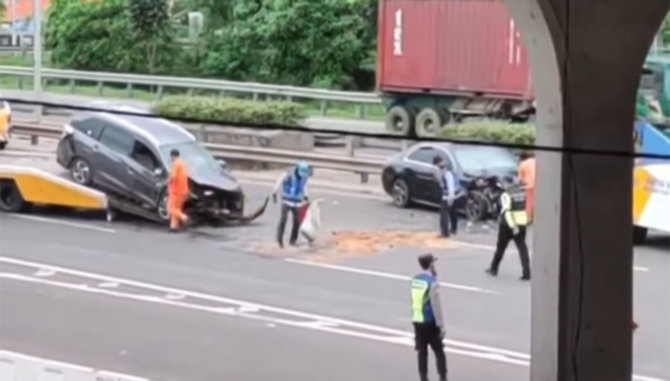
(296,128)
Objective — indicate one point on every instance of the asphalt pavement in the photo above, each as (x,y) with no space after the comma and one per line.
(226,303)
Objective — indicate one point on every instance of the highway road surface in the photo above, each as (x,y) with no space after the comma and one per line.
(226,304)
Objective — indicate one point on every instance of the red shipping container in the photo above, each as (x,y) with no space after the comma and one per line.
(454,47)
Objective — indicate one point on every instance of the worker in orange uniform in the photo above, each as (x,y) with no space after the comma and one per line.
(527,178)
(177,192)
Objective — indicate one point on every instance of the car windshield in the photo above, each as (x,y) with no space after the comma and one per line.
(478,159)
(194,155)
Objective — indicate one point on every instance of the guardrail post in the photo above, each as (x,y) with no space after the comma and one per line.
(100,88)
(351,143)
(364,177)
(129,90)
(34,139)
(254,96)
(222,93)
(21,83)
(324,107)
(159,92)
(404,145)
(72,86)
(360,111)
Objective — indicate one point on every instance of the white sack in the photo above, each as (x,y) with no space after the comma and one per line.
(312,223)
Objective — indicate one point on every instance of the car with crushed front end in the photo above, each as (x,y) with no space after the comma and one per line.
(127,155)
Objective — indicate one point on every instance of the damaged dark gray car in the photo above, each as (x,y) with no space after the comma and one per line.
(128,157)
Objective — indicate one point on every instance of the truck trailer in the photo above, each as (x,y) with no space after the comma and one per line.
(440,61)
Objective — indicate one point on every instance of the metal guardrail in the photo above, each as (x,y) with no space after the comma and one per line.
(361,99)
(364,167)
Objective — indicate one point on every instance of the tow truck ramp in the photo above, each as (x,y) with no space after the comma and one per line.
(23,186)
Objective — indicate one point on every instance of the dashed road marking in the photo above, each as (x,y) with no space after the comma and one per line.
(381,274)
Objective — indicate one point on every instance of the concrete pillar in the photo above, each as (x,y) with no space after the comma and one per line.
(586,57)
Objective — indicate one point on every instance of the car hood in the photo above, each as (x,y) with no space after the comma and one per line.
(500,172)
(221,179)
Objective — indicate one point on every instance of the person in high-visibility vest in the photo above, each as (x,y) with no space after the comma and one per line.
(293,188)
(527,178)
(177,192)
(427,318)
(512,226)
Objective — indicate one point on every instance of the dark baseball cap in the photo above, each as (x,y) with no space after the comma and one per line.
(425,260)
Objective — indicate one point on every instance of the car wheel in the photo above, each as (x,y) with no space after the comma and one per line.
(162,210)
(475,208)
(11,200)
(80,171)
(400,193)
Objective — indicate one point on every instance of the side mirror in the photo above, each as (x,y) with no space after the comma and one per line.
(222,163)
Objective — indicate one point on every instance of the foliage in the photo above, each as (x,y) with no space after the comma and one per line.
(100,36)
(3,9)
(150,22)
(665,31)
(91,36)
(492,131)
(299,42)
(230,110)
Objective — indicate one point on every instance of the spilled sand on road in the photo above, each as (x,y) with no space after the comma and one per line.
(352,244)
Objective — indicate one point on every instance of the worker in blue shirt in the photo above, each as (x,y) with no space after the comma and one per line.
(293,186)
(452,192)
(427,318)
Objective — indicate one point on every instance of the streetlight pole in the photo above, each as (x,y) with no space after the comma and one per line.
(37,54)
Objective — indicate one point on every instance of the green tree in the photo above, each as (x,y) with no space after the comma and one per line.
(150,22)
(2,9)
(91,36)
(300,42)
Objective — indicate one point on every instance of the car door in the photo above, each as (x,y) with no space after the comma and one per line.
(115,144)
(422,173)
(146,172)
(84,140)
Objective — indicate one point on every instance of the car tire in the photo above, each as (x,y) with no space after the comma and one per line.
(639,235)
(3,145)
(400,120)
(428,123)
(162,209)
(80,171)
(476,207)
(400,193)
(11,200)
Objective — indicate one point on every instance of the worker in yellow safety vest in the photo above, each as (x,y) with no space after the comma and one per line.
(512,226)
(427,318)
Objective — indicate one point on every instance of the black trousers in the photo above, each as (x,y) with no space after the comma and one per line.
(505,235)
(425,335)
(448,219)
(285,210)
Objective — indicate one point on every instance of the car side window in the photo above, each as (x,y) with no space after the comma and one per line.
(424,155)
(143,155)
(89,126)
(117,139)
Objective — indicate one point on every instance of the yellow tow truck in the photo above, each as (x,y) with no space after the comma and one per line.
(5,121)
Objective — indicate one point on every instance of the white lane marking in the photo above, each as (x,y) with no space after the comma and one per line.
(385,275)
(101,374)
(640,268)
(108,285)
(64,223)
(45,272)
(321,323)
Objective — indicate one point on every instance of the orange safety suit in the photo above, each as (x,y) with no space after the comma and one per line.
(177,192)
(527,177)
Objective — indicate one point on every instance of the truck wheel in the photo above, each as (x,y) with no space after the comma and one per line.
(429,123)
(639,235)
(400,120)
(11,200)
